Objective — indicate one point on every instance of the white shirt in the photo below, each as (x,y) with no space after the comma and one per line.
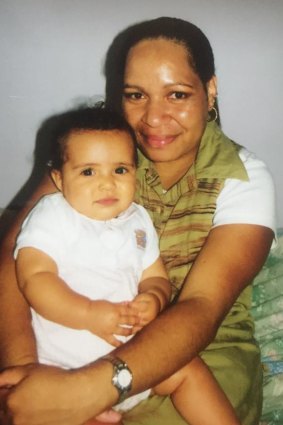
(248,202)
(101,260)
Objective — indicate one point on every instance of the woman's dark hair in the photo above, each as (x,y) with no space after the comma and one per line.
(87,118)
(200,54)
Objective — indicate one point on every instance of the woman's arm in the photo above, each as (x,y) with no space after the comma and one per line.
(229,260)
(17,345)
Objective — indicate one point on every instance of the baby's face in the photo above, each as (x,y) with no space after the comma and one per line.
(98,178)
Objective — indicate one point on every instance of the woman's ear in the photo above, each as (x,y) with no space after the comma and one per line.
(57,179)
(211,91)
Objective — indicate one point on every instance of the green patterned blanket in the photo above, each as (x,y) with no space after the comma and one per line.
(267,310)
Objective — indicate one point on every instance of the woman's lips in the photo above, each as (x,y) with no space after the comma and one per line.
(158,141)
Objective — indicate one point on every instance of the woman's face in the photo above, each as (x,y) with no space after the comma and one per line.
(165,101)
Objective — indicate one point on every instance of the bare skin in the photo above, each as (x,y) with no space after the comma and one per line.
(80,403)
(67,398)
(168,110)
(99,167)
(17,343)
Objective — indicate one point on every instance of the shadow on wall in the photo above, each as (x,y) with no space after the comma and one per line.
(39,170)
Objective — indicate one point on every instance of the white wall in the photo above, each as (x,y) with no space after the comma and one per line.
(52,53)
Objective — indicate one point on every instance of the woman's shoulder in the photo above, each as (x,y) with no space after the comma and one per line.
(251,201)
(260,178)
(252,161)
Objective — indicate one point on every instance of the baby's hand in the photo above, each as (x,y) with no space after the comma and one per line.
(106,319)
(148,306)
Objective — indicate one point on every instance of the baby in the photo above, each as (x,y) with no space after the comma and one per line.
(88,262)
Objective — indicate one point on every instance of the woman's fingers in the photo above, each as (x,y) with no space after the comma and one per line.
(13,375)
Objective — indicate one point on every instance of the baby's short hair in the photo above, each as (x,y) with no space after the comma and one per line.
(88,118)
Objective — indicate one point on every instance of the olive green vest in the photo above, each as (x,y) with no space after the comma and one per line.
(183,215)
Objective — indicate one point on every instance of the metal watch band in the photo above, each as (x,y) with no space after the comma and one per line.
(119,366)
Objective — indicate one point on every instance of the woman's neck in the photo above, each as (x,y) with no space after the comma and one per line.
(171,172)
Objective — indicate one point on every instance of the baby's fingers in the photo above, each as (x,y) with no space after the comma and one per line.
(128,316)
(124,330)
(140,306)
(128,321)
(127,309)
(113,341)
(136,329)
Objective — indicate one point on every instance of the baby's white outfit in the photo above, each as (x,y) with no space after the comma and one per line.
(98,259)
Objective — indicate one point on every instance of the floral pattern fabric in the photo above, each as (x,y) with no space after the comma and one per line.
(267,309)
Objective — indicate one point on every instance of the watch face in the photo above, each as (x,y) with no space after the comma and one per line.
(124,378)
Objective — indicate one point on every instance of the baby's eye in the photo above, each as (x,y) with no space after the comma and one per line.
(121,170)
(88,172)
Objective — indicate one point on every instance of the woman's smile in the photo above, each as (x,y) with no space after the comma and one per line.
(165,101)
(157,141)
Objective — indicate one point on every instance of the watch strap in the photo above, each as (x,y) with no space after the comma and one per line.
(119,366)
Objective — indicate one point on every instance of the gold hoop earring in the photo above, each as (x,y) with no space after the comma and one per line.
(212,116)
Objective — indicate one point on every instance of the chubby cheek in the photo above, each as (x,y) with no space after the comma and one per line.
(129,190)
(133,193)
(77,191)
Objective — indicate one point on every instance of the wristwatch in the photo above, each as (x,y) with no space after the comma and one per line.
(122,376)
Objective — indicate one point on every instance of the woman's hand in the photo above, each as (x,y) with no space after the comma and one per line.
(4,420)
(33,392)
(47,395)
(17,381)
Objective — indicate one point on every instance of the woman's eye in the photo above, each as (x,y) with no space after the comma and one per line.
(133,95)
(179,95)
(88,172)
(121,170)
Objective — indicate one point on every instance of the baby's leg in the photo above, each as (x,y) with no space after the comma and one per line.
(197,396)
(107,417)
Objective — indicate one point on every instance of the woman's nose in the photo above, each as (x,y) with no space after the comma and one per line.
(155,113)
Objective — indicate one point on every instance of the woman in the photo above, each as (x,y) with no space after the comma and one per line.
(212,204)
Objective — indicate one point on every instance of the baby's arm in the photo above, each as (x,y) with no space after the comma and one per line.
(53,299)
(154,293)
